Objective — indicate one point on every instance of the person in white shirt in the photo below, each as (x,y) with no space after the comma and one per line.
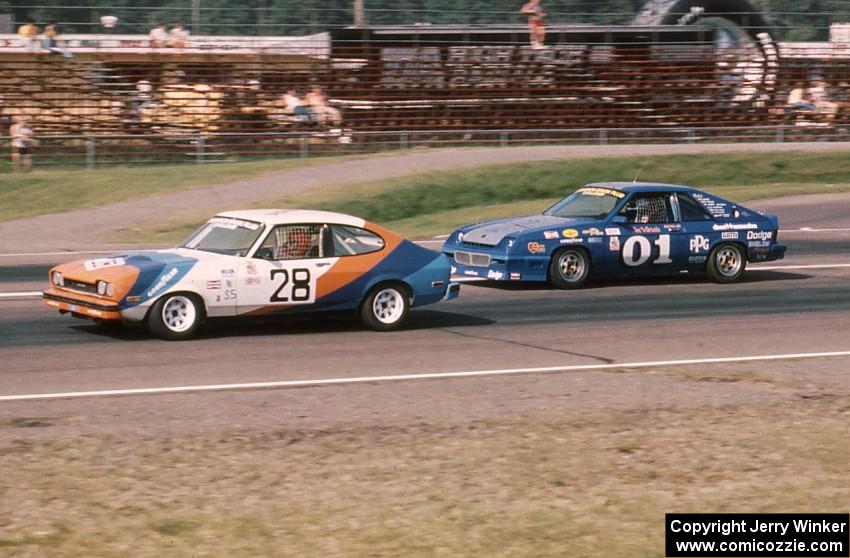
(179,36)
(159,36)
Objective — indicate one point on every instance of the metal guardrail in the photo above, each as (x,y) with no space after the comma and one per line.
(92,151)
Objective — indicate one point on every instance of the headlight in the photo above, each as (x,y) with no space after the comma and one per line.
(104,288)
(58,279)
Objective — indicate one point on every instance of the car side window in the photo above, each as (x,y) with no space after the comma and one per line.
(354,241)
(691,210)
(292,242)
(648,208)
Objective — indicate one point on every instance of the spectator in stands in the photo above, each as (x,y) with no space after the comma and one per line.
(158,36)
(294,106)
(179,36)
(51,40)
(536,27)
(28,32)
(799,100)
(819,95)
(22,140)
(318,104)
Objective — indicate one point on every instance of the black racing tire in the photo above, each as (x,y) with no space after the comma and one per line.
(569,268)
(386,307)
(175,317)
(726,263)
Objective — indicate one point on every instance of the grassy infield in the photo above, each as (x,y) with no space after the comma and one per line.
(433,203)
(558,485)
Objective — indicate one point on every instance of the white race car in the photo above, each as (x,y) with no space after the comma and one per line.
(248,263)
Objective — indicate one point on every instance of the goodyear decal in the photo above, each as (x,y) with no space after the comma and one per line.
(158,272)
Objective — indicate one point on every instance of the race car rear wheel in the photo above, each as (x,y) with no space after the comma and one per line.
(726,264)
(386,307)
(176,316)
(569,268)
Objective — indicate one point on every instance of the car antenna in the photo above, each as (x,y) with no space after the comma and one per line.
(640,170)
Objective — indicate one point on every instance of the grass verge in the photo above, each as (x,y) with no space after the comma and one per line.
(593,485)
(52,191)
(436,202)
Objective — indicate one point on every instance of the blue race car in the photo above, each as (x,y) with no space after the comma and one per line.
(618,230)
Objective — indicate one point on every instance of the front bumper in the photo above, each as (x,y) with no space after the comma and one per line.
(82,306)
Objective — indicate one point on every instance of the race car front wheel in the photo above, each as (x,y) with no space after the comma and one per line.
(175,317)
(386,307)
(726,263)
(569,268)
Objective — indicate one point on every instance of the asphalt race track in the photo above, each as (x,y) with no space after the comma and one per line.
(605,343)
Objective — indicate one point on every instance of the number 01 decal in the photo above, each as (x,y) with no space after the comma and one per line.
(637,250)
(296,286)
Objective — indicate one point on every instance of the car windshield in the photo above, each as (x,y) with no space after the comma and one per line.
(587,203)
(224,235)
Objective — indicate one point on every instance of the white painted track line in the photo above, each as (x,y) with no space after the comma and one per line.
(412,377)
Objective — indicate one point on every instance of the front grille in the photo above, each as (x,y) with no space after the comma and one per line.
(80,287)
(473,259)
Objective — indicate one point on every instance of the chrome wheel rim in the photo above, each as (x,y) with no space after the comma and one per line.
(571,266)
(729,261)
(179,314)
(388,306)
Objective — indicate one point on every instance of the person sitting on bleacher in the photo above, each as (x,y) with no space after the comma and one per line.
(819,95)
(319,106)
(799,100)
(294,107)
(179,36)
(28,32)
(159,36)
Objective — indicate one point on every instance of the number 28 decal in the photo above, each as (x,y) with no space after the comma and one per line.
(296,286)
(637,250)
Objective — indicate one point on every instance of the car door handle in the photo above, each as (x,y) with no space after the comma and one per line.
(322,264)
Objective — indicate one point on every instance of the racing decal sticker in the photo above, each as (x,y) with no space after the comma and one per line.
(672,227)
(570,233)
(612,231)
(735,226)
(593,231)
(594,240)
(759,239)
(497,275)
(163,282)
(103,263)
(253,281)
(214,285)
(596,191)
(614,243)
(729,235)
(550,235)
(646,229)
(516,276)
(698,244)
(716,207)
(251,268)
(573,240)
(536,248)
(697,259)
